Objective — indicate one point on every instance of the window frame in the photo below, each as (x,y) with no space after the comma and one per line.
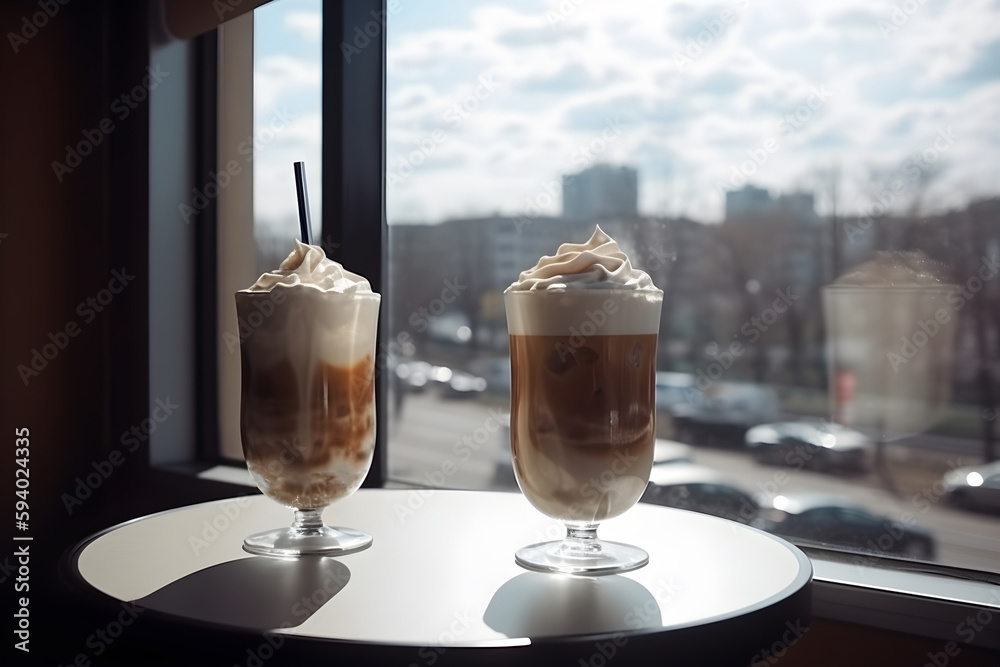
(353,185)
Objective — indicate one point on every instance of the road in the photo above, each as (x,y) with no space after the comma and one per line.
(461,444)
(964,539)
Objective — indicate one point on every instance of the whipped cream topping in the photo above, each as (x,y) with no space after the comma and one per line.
(312,305)
(585,288)
(597,264)
(308,265)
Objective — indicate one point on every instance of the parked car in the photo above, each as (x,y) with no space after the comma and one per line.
(672,389)
(415,376)
(463,385)
(811,445)
(668,451)
(503,464)
(723,413)
(829,519)
(698,488)
(496,371)
(974,488)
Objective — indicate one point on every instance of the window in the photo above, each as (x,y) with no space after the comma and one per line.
(704,141)
(269,118)
(748,156)
(287,71)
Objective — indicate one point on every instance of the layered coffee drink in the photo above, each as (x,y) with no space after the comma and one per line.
(308,392)
(583,329)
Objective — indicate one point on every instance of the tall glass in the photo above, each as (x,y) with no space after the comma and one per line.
(583,365)
(307,415)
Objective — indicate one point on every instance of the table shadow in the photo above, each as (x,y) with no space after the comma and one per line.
(259,593)
(540,605)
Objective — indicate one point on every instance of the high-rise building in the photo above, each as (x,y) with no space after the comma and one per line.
(751,204)
(750,200)
(799,205)
(601,191)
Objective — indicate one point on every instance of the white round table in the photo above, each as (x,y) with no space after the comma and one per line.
(439,584)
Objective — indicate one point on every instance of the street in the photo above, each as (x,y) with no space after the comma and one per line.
(462,444)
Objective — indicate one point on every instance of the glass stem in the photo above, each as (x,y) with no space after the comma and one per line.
(307,521)
(582,537)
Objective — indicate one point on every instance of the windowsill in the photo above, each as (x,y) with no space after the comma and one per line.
(910,598)
(231,474)
(923,602)
(921,583)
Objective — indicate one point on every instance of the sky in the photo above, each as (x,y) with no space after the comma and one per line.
(287,106)
(490,103)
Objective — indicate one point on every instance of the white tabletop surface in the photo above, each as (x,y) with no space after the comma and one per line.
(441,571)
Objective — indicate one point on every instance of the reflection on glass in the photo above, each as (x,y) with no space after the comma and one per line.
(890,338)
(890,331)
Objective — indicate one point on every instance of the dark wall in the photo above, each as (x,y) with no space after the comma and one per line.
(65,234)
(74,291)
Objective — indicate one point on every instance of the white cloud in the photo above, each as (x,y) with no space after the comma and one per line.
(688,125)
(308,25)
(274,180)
(276,77)
(688,122)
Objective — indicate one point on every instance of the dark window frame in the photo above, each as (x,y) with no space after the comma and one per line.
(353,185)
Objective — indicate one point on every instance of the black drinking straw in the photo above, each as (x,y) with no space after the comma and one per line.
(303,195)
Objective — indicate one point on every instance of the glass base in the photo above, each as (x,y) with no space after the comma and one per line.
(308,536)
(581,553)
